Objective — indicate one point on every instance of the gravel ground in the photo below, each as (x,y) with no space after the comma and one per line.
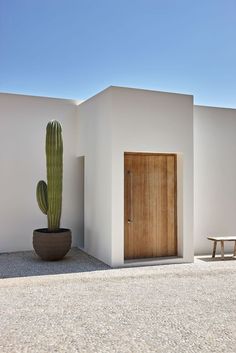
(173,308)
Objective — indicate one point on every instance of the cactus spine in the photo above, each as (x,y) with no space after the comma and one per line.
(49,196)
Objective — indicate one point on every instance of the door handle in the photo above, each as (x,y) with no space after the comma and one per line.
(130,217)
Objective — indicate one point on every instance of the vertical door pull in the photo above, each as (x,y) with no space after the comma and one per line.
(130,217)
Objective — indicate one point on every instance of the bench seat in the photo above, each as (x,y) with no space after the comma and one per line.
(222,241)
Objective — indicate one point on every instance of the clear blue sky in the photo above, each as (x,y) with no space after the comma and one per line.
(75,48)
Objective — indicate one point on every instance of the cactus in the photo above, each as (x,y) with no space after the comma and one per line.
(49,196)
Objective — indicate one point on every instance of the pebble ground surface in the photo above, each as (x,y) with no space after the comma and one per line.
(81,305)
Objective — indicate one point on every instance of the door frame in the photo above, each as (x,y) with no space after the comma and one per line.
(178,170)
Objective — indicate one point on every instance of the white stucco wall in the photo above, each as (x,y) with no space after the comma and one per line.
(22,155)
(150,121)
(96,134)
(119,120)
(215,175)
(94,144)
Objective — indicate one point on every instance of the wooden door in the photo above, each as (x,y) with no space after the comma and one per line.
(150,205)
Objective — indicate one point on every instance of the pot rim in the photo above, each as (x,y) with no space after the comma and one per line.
(46,231)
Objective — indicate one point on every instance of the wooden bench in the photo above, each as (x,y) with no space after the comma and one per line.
(222,241)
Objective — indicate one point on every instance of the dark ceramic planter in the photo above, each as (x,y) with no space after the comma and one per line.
(51,246)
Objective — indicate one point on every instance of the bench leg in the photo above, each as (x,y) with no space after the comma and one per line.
(214,249)
(222,249)
(235,248)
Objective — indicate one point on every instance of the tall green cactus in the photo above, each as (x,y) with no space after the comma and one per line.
(49,196)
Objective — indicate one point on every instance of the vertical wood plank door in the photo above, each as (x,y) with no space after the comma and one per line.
(150,205)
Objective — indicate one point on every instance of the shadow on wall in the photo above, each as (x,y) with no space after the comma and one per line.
(26,263)
(80,162)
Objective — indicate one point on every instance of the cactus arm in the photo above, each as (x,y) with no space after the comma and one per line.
(42,198)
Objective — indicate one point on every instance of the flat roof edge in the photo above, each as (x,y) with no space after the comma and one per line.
(151,90)
(213,107)
(76,101)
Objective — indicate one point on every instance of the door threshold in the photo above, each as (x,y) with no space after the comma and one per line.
(154,261)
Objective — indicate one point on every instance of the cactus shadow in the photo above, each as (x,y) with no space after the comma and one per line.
(27,263)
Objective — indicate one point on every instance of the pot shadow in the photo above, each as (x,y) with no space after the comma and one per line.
(27,263)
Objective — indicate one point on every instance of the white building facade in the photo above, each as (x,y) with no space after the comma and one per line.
(97,133)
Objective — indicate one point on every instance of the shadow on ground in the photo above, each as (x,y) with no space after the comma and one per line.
(26,263)
(217,258)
